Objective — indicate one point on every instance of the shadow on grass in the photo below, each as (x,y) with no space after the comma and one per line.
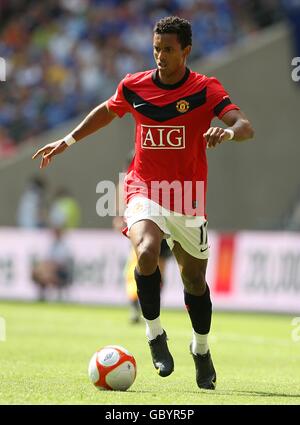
(229,393)
(264,394)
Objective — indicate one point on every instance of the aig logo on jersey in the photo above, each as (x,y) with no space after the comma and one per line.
(162,137)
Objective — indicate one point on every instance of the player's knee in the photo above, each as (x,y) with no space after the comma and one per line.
(194,284)
(147,258)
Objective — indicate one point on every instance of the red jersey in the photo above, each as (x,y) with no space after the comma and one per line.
(170,150)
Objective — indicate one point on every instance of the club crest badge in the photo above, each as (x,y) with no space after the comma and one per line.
(182,106)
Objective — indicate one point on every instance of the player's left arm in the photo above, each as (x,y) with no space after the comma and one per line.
(239,129)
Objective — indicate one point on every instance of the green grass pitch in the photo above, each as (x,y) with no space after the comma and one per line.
(48,346)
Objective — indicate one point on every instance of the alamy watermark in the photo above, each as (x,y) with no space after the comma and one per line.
(167,198)
(296,71)
(296,329)
(2,329)
(2,69)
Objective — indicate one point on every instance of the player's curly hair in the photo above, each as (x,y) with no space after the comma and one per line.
(175,25)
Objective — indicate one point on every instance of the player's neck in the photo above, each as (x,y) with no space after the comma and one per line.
(174,78)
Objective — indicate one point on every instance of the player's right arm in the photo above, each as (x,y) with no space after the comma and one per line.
(96,119)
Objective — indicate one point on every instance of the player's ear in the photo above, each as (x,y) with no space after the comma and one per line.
(187,51)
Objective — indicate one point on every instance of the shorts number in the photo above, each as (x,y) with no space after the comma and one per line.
(203,234)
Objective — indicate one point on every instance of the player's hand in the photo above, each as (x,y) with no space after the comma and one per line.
(216,135)
(48,151)
(118,223)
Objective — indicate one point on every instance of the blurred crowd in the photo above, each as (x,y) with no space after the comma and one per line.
(64,57)
(37,209)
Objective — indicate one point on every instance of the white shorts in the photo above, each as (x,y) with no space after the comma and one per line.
(189,231)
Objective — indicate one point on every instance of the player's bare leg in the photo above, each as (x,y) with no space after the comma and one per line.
(198,304)
(146,239)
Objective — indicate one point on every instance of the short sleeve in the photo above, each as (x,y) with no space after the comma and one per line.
(117,103)
(218,99)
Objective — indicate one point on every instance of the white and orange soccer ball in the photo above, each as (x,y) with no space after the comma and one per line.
(112,368)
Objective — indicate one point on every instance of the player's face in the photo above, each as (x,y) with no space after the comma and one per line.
(168,54)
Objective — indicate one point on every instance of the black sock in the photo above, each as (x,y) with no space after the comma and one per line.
(148,290)
(199,309)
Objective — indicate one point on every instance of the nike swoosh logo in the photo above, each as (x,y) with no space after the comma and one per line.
(137,105)
(205,249)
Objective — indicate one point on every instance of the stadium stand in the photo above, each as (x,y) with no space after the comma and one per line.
(64,57)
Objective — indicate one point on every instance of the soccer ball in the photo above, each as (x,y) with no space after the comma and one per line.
(112,368)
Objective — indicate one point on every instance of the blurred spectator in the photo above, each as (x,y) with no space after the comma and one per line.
(31,211)
(292,10)
(265,12)
(294,219)
(291,220)
(55,270)
(65,210)
(7,147)
(66,56)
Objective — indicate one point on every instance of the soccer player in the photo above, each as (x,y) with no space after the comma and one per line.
(173,108)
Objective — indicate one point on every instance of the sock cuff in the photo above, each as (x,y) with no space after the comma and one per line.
(154,277)
(200,338)
(190,297)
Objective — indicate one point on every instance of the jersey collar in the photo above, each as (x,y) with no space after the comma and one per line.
(157,82)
